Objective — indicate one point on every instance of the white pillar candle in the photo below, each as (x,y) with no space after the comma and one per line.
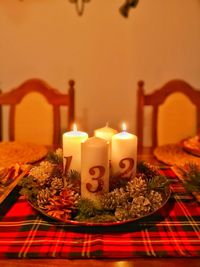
(94,168)
(72,148)
(106,133)
(124,153)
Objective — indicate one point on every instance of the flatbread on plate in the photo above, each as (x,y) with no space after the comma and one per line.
(20,152)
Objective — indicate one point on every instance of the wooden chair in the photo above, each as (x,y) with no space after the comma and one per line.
(157,99)
(35,93)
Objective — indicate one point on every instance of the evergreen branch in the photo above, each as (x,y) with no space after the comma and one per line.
(191,177)
(54,157)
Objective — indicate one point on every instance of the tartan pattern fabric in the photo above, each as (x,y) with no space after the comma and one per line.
(173,231)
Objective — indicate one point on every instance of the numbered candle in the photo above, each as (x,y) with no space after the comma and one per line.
(124,153)
(106,133)
(72,149)
(94,168)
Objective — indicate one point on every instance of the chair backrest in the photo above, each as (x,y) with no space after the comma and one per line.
(24,102)
(181,102)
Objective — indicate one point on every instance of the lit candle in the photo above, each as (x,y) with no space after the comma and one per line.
(106,133)
(72,148)
(124,153)
(94,168)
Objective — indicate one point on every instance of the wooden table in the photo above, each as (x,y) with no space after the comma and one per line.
(103,263)
(146,155)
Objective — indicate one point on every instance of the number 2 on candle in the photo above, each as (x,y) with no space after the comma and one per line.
(129,168)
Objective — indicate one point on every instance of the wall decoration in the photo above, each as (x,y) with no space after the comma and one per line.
(124,9)
(80,4)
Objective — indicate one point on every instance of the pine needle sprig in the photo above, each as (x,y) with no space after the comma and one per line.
(57,171)
(73,180)
(147,169)
(155,181)
(191,179)
(90,211)
(158,182)
(86,209)
(55,157)
(29,188)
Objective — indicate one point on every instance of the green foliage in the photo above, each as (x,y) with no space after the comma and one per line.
(73,180)
(147,169)
(28,182)
(74,177)
(192,178)
(54,158)
(155,181)
(158,182)
(29,187)
(90,211)
(86,209)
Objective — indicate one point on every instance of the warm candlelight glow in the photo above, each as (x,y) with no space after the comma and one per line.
(105,132)
(75,127)
(124,127)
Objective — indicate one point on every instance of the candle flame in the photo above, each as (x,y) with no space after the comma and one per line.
(75,127)
(123,126)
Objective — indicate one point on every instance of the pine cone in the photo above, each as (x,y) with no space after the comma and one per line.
(43,198)
(136,187)
(155,198)
(42,173)
(108,202)
(56,183)
(69,198)
(117,197)
(122,213)
(60,214)
(140,206)
(61,206)
(65,200)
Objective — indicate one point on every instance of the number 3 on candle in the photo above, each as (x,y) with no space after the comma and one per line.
(98,179)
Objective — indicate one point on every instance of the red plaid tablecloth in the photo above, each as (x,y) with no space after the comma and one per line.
(174,231)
